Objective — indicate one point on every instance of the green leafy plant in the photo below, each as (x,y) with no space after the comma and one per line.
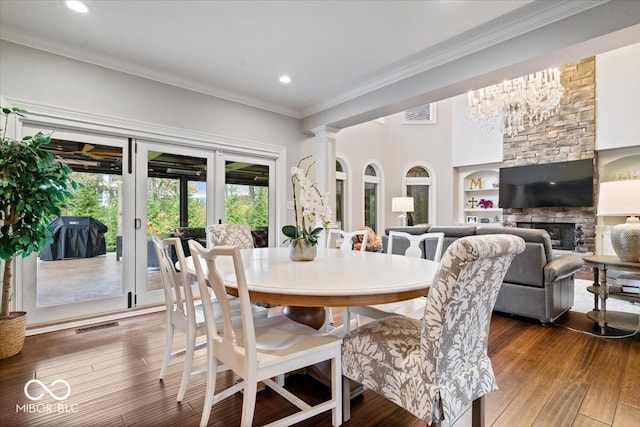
(34,187)
(312,203)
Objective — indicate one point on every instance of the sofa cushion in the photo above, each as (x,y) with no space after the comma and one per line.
(415,229)
(529,235)
(452,233)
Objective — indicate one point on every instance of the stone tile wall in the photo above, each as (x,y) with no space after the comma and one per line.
(568,135)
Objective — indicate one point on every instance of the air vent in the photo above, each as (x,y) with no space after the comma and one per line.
(424,114)
(96,327)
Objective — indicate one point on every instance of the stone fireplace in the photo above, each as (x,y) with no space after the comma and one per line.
(568,135)
(561,233)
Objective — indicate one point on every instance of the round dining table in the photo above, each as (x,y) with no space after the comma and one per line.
(335,278)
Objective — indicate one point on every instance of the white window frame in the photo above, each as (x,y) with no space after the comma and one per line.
(430,181)
(378,180)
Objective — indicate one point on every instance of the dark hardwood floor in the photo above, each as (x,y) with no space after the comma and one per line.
(548,376)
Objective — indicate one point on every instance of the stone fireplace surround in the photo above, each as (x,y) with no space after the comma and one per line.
(568,135)
(561,233)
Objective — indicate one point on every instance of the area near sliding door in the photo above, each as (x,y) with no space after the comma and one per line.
(172,187)
(248,195)
(82,271)
(130,187)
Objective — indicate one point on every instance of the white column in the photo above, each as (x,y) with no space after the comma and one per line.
(325,158)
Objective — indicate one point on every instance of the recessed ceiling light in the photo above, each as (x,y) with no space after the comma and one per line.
(284,79)
(77,6)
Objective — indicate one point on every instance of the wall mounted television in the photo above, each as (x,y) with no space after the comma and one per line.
(564,184)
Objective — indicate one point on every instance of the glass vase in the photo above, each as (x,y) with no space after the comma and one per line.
(301,250)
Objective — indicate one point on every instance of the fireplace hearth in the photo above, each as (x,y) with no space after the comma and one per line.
(561,233)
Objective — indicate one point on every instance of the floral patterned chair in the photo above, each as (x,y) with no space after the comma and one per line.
(435,366)
(229,235)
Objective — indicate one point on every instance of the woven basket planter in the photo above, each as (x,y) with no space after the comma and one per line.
(12,331)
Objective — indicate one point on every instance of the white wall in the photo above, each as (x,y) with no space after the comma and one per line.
(617,95)
(454,144)
(395,146)
(469,144)
(45,78)
(39,77)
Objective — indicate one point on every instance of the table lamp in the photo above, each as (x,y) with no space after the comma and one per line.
(622,198)
(402,205)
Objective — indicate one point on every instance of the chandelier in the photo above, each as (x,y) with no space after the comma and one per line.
(510,106)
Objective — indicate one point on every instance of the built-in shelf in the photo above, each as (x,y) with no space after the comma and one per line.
(477,185)
(483,210)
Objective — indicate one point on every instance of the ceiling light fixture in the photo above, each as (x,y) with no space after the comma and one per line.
(284,79)
(77,6)
(509,106)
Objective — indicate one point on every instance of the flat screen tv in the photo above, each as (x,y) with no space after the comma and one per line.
(564,184)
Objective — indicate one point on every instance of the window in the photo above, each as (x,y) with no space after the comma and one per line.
(371,196)
(247,194)
(418,186)
(341,183)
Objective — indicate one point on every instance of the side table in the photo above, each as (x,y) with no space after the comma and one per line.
(614,319)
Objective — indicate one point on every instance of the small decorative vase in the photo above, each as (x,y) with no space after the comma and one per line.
(301,250)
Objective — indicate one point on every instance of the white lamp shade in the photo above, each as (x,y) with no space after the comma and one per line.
(619,198)
(402,204)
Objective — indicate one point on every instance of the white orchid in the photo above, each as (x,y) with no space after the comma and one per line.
(313,206)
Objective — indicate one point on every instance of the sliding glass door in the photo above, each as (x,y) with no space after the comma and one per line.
(248,196)
(101,258)
(82,271)
(171,193)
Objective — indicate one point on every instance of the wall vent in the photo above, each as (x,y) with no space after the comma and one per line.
(97,327)
(424,114)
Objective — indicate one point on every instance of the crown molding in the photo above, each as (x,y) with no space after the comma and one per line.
(530,17)
(87,56)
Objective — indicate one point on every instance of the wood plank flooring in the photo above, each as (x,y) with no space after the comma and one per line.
(548,376)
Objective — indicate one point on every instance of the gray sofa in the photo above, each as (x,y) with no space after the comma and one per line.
(537,284)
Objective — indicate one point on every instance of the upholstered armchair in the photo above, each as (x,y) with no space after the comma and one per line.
(435,366)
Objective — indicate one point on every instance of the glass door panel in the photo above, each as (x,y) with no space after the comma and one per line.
(249,197)
(370,205)
(82,270)
(173,184)
(420,194)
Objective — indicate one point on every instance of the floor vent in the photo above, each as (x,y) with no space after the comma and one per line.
(96,327)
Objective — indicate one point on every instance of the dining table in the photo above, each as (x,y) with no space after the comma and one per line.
(335,278)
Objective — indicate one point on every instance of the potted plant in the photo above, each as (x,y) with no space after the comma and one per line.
(303,236)
(34,187)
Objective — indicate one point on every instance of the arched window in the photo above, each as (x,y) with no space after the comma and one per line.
(371,196)
(418,185)
(341,194)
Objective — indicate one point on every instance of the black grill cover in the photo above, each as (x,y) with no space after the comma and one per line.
(75,237)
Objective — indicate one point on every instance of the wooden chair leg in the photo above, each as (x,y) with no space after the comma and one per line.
(477,412)
(346,399)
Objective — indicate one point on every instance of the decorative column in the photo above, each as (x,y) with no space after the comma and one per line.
(325,158)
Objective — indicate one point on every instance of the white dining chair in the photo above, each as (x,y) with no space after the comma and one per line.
(347,245)
(259,349)
(347,238)
(184,309)
(414,249)
(413,308)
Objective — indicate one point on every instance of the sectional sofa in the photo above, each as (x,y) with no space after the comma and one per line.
(538,285)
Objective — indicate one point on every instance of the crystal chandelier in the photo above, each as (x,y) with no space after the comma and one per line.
(510,106)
